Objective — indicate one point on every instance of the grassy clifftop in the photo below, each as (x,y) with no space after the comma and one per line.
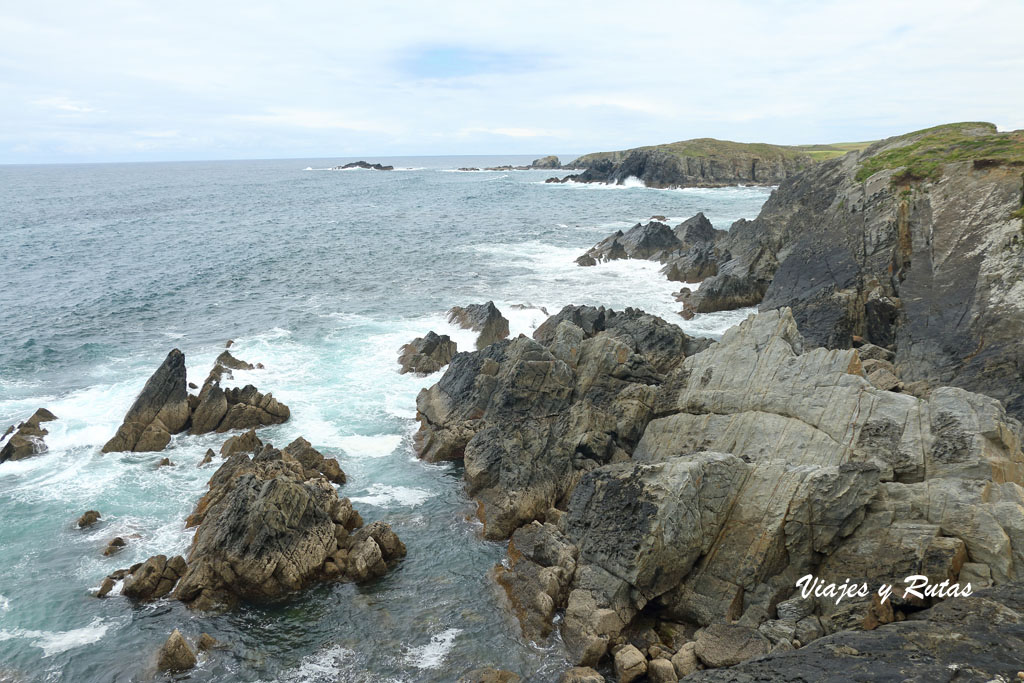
(710,148)
(922,154)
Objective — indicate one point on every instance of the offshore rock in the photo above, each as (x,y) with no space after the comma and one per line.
(270,525)
(158,412)
(428,354)
(26,439)
(175,655)
(483,318)
(550,161)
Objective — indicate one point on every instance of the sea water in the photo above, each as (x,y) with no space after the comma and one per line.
(320,276)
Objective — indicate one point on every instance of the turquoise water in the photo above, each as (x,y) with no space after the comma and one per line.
(321,276)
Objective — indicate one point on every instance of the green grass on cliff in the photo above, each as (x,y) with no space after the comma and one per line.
(710,148)
(922,154)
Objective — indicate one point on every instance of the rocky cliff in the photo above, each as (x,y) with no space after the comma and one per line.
(913,244)
(703,162)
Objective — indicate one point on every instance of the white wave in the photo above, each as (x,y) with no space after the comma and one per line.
(431,655)
(55,642)
(373,446)
(5,603)
(322,667)
(384,496)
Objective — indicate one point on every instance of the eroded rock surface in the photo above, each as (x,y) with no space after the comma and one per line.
(652,484)
(161,410)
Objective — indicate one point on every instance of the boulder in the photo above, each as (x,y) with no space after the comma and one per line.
(630,664)
(248,408)
(115,546)
(154,578)
(643,241)
(425,355)
(26,439)
(208,457)
(660,670)
(158,412)
(175,655)
(721,645)
(88,518)
(483,318)
(207,642)
(684,661)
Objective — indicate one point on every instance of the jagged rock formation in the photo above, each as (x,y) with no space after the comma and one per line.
(424,355)
(687,251)
(161,410)
(576,394)
(703,162)
(269,525)
(483,318)
(26,439)
(696,488)
(165,407)
(175,655)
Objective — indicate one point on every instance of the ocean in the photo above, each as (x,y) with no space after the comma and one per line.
(321,276)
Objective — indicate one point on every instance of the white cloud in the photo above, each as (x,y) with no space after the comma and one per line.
(512,132)
(66,104)
(312,118)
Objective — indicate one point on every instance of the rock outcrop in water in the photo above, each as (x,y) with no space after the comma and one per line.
(165,407)
(647,489)
(26,439)
(687,251)
(549,161)
(269,525)
(161,410)
(483,318)
(364,165)
(428,354)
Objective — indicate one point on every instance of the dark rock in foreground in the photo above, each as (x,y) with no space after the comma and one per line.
(483,318)
(161,410)
(424,355)
(978,638)
(26,439)
(175,655)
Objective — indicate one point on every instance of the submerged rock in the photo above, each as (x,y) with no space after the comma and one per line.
(483,318)
(26,439)
(158,412)
(489,676)
(425,355)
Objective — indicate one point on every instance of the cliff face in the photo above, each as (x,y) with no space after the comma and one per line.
(694,163)
(914,244)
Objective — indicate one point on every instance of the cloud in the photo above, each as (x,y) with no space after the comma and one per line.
(65,104)
(313,119)
(513,132)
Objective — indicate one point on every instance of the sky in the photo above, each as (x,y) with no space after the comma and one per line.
(124,80)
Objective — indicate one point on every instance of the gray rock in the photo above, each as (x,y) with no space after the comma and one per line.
(175,655)
(26,439)
(721,645)
(630,664)
(581,674)
(483,318)
(158,412)
(424,355)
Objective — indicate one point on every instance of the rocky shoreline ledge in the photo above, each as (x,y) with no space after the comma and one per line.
(664,493)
